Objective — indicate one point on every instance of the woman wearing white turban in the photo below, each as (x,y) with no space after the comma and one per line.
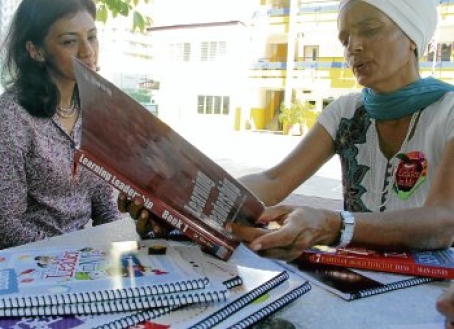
(395,140)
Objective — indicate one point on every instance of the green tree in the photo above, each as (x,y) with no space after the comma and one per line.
(106,8)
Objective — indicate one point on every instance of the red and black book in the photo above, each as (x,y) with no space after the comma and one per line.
(430,263)
(140,155)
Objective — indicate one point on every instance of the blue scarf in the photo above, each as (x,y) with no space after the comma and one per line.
(405,101)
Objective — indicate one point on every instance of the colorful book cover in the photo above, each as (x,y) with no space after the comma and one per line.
(42,277)
(430,263)
(176,181)
(221,273)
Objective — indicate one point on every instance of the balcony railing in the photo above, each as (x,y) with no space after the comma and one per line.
(323,63)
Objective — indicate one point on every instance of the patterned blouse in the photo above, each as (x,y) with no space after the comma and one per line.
(39,196)
(371,182)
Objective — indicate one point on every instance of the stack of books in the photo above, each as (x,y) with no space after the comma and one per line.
(130,284)
(354,273)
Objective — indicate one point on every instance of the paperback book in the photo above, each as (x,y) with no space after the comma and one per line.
(141,156)
(121,276)
(430,263)
(353,284)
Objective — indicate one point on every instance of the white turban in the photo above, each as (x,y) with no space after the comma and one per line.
(417,18)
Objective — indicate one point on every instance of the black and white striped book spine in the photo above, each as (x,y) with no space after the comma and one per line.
(272,307)
(101,296)
(121,305)
(392,286)
(134,319)
(239,303)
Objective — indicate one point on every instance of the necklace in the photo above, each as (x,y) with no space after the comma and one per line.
(67,113)
(392,163)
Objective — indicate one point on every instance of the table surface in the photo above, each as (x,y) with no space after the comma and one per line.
(318,309)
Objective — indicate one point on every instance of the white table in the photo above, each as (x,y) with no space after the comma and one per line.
(318,309)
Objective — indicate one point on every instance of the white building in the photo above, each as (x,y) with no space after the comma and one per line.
(7,9)
(201,59)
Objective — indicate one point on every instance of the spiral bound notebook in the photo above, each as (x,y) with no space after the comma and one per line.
(354,284)
(80,321)
(271,302)
(205,315)
(207,295)
(226,274)
(80,276)
(260,276)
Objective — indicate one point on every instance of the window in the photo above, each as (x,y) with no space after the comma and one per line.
(217,105)
(444,51)
(180,52)
(213,50)
(310,53)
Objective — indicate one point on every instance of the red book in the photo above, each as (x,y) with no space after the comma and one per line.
(431,263)
(140,155)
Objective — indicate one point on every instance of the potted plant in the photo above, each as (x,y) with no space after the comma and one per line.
(295,116)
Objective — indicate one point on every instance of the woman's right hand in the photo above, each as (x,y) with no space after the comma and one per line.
(147,224)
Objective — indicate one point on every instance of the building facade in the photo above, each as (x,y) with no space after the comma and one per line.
(303,59)
(275,52)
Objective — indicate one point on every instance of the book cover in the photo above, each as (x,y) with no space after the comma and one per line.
(430,263)
(138,154)
(73,276)
(225,272)
(207,267)
(352,284)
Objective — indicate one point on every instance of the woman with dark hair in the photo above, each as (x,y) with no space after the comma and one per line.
(40,124)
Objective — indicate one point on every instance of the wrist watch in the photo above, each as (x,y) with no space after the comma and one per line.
(347,229)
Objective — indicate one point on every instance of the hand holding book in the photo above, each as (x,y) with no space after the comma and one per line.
(300,229)
(174,180)
(147,224)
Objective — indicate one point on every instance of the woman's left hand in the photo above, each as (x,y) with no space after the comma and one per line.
(301,228)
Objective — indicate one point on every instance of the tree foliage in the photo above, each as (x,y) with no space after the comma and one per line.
(127,8)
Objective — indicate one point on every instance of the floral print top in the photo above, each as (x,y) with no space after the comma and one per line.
(39,196)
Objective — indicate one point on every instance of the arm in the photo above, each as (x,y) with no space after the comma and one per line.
(16,227)
(275,184)
(424,228)
(103,204)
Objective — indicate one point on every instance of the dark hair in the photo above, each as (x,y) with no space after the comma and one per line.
(37,93)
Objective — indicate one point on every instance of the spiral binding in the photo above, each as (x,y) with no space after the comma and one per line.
(120,305)
(392,286)
(101,296)
(233,282)
(240,302)
(134,319)
(273,307)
